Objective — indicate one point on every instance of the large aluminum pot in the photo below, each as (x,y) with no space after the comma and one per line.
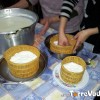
(16,30)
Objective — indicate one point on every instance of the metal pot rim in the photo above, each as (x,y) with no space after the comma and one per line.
(18,12)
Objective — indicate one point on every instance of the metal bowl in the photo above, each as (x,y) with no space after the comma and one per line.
(6,76)
(56,55)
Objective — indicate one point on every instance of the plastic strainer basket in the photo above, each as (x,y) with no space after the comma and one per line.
(24,70)
(71,77)
(62,49)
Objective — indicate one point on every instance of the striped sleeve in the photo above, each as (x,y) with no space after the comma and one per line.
(67,7)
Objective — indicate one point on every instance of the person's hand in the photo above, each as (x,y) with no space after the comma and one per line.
(62,40)
(46,21)
(38,39)
(80,38)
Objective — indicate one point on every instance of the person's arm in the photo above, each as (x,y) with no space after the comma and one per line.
(99,29)
(84,34)
(62,38)
(20,4)
(66,11)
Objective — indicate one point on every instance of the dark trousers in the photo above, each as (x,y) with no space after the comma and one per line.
(95,40)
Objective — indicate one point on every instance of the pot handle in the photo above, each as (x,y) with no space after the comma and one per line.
(13,38)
